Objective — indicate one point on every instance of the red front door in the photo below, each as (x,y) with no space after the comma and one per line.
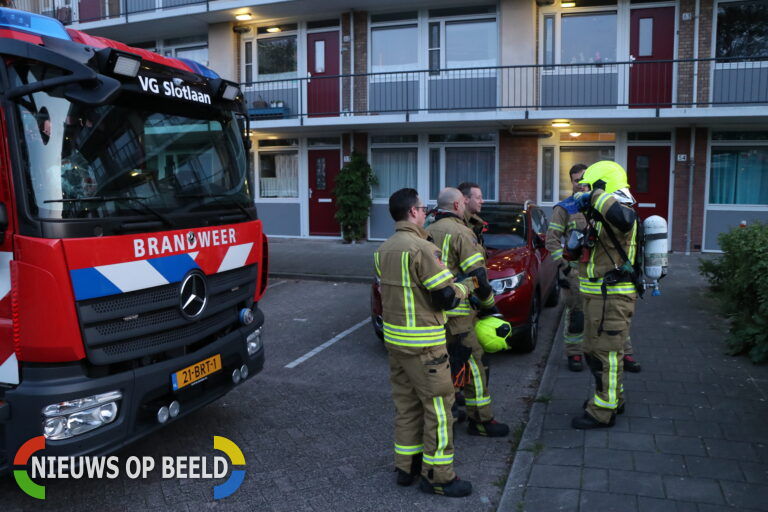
(648,173)
(323,68)
(324,165)
(651,38)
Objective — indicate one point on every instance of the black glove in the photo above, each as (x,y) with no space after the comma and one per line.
(564,283)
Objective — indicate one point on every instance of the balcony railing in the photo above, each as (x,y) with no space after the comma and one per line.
(658,84)
(84,11)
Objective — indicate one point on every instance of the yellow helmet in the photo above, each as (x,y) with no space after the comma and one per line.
(492,333)
(612,175)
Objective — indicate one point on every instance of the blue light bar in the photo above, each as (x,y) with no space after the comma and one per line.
(199,68)
(32,23)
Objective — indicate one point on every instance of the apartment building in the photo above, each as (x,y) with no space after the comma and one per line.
(508,94)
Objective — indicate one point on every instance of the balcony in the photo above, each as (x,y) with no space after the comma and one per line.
(86,11)
(661,88)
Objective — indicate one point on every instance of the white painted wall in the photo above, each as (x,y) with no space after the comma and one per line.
(518,32)
(222,50)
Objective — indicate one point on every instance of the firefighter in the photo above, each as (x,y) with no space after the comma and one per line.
(415,290)
(607,285)
(565,219)
(463,255)
(473,198)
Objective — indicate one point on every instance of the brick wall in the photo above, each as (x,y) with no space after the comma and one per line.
(361,60)
(346,60)
(682,175)
(685,47)
(685,51)
(517,167)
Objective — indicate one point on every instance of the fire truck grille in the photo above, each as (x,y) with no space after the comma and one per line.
(148,322)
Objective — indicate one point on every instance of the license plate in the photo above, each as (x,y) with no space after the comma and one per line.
(196,372)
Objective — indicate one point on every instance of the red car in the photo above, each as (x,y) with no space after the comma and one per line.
(522,274)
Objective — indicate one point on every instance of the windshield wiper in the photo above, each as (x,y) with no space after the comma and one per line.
(139,200)
(230,199)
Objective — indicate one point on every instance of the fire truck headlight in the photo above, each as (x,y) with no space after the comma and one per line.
(74,417)
(253,342)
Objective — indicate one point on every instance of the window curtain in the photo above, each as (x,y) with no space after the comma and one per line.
(477,165)
(285,182)
(739,176)
(395,168)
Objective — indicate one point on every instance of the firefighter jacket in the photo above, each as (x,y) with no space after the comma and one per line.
(409,268)
(477,225)
(610,211)
(461,253)
(565,218)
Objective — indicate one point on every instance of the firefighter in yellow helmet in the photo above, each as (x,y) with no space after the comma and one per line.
(608,285)
(463,255)
(566,218)
(416,288)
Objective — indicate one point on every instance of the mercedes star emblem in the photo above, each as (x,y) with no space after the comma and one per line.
(194,295)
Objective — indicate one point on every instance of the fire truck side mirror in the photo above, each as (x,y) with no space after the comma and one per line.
(3,222)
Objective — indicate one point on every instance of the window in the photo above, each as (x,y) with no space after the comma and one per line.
(276,57)
(459,157)
(549,40)
(472,164)
(739,175)
(742,29)
(279,174)
(394,48)
(470,43)
(395,168)
(588,38)
(572,155)
(547,171)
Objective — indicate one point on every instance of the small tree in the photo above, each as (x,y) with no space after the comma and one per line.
(353,197)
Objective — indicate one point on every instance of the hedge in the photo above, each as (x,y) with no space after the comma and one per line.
(739,279)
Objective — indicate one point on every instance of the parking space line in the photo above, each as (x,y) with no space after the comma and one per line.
(278,283)
(320,348)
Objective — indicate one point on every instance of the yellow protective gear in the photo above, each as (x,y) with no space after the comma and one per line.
(612,174)
(492,333)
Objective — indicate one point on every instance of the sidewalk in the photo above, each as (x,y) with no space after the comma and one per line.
(694,436)
(301,258)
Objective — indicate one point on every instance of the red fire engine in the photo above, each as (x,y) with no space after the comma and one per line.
(131,257)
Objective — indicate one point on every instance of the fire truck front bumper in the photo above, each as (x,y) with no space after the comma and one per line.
(63,402)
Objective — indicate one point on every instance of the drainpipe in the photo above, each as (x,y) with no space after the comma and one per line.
(691,168)
(352,60)
(695,98)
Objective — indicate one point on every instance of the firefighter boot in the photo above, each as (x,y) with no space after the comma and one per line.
(630,365)
(487,428)
(459,415)
(454,489)
(406,479)
(587,422)
(575,364)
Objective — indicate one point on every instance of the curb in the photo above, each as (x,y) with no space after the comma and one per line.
(320,277)
(524,457)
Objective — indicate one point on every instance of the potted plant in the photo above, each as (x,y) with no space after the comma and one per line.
(353,197)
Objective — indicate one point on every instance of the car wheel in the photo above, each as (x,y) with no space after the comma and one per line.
(531,336)
(554,295)
(378,327)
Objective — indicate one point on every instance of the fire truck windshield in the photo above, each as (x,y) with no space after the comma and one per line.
(137,157)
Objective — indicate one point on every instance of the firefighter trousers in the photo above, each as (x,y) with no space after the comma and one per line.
(573,319)
(604,350)
(423,393)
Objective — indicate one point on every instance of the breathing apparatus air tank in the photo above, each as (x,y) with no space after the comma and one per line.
(655,258)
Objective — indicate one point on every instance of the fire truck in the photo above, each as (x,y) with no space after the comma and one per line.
(132,260)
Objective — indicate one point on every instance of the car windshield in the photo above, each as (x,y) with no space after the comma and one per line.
(132,157)
(507,229)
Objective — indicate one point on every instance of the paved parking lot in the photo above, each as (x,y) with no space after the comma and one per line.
(315,426)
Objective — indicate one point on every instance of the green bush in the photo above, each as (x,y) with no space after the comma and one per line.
(739,279)
(353,197)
